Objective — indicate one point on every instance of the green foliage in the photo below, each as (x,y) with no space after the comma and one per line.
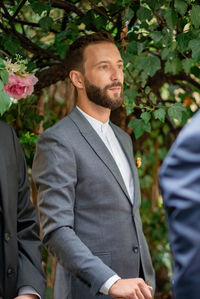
(175,112)
(139,126)
(28,141)
(149,64)
(160,44)
(46,23)
(4,100)
(152,151)
(195,11)
(39,7)
(160,114)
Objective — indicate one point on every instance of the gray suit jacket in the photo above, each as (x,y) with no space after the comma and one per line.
(89,223)
(180,182)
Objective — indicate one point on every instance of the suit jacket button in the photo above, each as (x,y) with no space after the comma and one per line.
(7,237)
(135,249)
(10,272)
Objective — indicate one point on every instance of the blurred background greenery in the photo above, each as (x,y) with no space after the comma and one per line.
(160,44)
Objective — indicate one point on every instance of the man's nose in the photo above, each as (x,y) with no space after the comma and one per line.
(115,74)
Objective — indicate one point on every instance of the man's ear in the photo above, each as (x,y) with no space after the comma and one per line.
(77,79)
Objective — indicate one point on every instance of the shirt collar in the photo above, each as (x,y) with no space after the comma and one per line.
(96,124)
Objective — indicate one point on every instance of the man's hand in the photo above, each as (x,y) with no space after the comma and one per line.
(27,296)
(133,288)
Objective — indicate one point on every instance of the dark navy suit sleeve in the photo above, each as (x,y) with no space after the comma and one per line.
(180,184)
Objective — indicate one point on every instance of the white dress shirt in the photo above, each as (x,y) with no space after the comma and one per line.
(107,135)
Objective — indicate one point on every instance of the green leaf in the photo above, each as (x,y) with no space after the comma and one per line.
(132,48)
(156,36)
(147,127)
(139,127)
(165,53)
(11,45)
(156,4)
(1,85)
(171,17)
(4,76)
(147,90)
(187,65)
(46,23)
(175,112)
(152,98)
(195,47)
(183,40)
(100,22)
(62,35)
(195,15)
(31,66)
(144,14)
(160,114)
(146,116)
(2,65)
(195,71)
(38,7)
(141,46)
(4,102)
(162,152)
(181,6)
(131,93)
(173,66)
(150,64)
(28,138)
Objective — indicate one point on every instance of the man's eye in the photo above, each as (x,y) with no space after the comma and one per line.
(120,66)
(103,67)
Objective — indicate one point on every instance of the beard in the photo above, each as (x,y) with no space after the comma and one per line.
(100,97)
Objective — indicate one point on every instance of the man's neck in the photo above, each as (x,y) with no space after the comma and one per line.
(98,112)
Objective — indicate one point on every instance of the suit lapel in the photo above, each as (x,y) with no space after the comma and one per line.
(124,146)
(129,154)
(98,146)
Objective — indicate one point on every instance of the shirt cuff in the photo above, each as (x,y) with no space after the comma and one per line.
(28,290)
(108,284)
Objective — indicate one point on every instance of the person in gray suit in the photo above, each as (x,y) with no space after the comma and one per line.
(180,184)
(89,194)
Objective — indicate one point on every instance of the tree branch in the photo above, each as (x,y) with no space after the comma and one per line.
(8,16)
(132,21)
(183,76)
(50,75)
(4,53)
(19,8)
(99,10)
(27,23)
(33,48)
(67,6)
(33,25)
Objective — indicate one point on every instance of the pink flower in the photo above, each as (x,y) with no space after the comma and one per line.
(19,87)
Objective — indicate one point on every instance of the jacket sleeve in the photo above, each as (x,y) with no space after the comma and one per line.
(30,272)
(180,184)
(55,173)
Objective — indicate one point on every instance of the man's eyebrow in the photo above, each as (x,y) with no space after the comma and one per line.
(107,61)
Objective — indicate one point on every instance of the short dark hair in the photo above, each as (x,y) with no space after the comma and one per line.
(75,55)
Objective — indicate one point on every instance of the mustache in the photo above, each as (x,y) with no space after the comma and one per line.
(114,84)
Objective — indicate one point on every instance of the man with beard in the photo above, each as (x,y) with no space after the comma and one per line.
(89,195)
